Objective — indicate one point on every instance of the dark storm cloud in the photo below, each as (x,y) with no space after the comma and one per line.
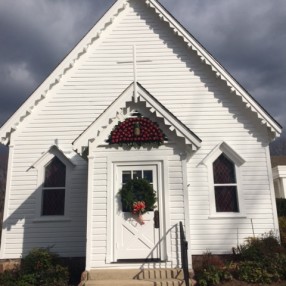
(247,37)
(35,35)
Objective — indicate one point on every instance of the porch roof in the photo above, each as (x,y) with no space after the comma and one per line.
(113,114)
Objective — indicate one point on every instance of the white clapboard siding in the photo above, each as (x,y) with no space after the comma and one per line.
(101,180)
(255,186)
(186,87)
(64,237)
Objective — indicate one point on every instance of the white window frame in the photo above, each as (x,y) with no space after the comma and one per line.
(40,166)
(224,148)
(226,184)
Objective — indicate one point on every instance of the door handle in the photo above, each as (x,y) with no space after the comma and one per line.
(156,219)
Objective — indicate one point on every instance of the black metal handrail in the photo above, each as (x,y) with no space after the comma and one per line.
(184,255)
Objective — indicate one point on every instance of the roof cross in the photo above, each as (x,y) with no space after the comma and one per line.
(135,76)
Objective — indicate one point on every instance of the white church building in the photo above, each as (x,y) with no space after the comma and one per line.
(211,170)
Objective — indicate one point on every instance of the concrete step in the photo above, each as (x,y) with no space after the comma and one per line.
(135,277)
(135,274)
(134,282)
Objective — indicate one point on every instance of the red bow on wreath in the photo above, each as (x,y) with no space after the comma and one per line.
(138,209)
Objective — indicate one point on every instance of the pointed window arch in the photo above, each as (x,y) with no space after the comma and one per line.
(224,175)
(225,185)
(54,188)
(54,171)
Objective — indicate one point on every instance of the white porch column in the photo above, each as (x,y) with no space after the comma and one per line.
(89,210)
(186,206)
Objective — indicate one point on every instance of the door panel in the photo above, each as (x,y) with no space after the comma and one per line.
(134,240)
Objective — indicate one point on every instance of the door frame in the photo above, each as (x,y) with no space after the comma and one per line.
(156,253)
(163,194)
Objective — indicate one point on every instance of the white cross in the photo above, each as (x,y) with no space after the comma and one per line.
(134,70)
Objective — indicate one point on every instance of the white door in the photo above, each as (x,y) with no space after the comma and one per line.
(133,240)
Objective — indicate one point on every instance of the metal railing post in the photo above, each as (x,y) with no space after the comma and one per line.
(184,255)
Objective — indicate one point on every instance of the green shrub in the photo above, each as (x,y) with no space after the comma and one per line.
(45,268)
(27,280)
(209,276)
(280,265)
(261,260)
(213,271)
(39,268)
(281,207)
(254,272)
(257,248)
(212,275)
(9,277)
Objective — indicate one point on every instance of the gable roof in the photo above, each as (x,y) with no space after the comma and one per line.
(95,33)
(102,126)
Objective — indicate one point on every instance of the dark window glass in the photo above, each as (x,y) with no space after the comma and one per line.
(224,170)
(137,174)
(126,176)
(148,175)
(53,202)
(226,199)
(53,197)
(225,185)
(55,174)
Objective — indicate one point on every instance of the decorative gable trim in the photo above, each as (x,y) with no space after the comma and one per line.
(54,78)
(220,71)
(52,152)
(170,119)
(223,147)
(95,33)
(103,125)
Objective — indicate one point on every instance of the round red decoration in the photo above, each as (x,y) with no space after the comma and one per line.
(137,132)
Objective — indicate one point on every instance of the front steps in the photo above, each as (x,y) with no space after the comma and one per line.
(135,277)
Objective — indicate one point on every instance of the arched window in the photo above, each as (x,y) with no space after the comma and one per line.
(225,185)
(54,188)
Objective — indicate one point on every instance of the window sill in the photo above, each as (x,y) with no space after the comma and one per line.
(227,215)
(52,219)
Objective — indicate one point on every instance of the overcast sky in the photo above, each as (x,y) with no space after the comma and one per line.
(248,37)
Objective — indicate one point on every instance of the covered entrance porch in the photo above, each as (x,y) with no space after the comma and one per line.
(115,238)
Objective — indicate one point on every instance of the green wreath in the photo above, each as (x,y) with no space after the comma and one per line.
(137,191)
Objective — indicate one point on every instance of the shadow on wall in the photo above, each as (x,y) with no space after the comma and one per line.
(26,229)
